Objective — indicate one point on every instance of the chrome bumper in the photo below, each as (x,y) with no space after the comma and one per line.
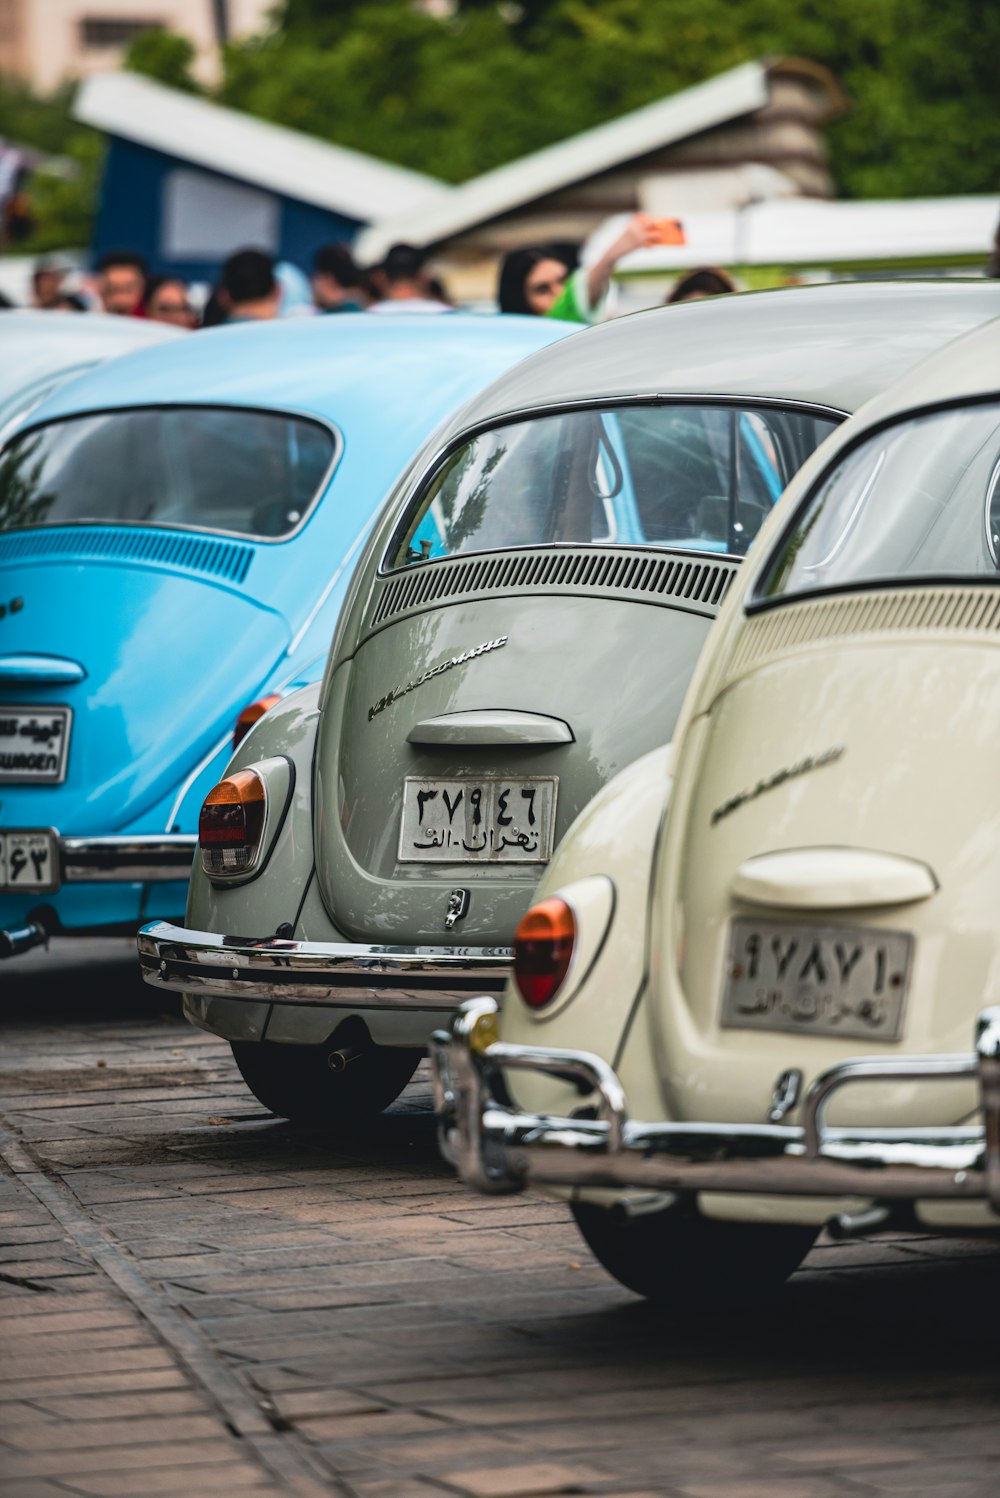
(497,1148)
(152,858)
(339,975)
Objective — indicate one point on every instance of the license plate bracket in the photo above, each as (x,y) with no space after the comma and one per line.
(816,980)
(29,860)
(483,819)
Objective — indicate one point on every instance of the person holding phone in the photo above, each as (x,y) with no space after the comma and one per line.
(540,280)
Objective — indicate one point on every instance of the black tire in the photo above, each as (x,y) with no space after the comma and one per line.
(679,1259)
(296,1082)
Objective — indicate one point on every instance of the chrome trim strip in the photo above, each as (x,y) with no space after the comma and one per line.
(497,1148)
(337,974)
(144,859)
(199,769)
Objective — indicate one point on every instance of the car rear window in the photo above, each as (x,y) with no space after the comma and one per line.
(248,473)
(919,500)
(693,476)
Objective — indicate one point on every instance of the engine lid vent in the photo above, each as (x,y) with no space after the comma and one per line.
(224,559)
(676,579)
(891,610)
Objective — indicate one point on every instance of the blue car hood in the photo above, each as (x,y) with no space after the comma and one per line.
(167,662)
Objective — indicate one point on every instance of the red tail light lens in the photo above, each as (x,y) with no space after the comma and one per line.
(543,947)
(249,716)
(231,824)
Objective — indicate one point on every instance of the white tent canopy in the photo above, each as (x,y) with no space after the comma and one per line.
(802,231)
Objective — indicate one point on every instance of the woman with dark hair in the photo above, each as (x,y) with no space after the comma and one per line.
(540,281)
(707,280)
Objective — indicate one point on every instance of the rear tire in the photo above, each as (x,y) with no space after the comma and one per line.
(679,1259)
(295,1081)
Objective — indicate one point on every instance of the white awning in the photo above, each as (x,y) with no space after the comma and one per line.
(250,150)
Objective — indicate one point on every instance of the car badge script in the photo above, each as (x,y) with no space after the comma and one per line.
(771,783)
(432,671)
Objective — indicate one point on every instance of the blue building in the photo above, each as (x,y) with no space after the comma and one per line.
(187,182)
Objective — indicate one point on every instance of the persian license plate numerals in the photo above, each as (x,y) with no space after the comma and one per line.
(489,819)
(28,860)
(825,980)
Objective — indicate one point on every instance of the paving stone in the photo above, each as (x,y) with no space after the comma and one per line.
(521,1481)
(109,1407)
(126,1458)
(190,1482)
(151,1430)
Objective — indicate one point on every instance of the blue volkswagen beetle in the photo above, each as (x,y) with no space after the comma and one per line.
(177,530)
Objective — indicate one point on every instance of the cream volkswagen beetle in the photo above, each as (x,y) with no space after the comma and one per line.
(759,989)
(522,625)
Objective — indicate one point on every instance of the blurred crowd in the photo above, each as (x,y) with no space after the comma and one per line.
(535,280)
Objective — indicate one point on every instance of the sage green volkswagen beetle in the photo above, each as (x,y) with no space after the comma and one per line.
(760,987)
(522,625)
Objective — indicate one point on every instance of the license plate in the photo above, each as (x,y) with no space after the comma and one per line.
(34,744)
(489,819)
(29,860)
(823,980)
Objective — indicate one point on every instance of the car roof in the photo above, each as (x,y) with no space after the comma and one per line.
(834,345)
(38,344)
(334,367)
(968,369)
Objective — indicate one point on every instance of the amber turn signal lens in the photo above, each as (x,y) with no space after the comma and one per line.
(543,947)
(248,717)
(231,824)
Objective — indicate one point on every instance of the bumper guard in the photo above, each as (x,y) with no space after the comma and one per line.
(497,1148)
(340,975)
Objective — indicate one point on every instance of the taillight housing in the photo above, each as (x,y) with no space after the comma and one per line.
(231,824)
(543,950)
(248,717)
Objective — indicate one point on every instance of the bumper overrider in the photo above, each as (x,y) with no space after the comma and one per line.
(497,1148)
(344,975)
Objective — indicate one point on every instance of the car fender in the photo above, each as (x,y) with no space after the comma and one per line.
(274,894)
(614,838)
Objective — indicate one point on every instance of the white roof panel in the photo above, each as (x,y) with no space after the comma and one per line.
(250,150)
(726,97)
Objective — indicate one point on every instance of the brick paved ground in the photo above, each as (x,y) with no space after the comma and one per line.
(196,1299)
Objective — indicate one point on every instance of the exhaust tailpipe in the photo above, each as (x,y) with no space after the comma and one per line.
(20,939)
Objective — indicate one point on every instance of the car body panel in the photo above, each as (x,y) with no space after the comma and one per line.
(361,762)
(178,628)
(818,730)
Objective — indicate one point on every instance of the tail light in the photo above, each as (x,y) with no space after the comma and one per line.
(543,949)
(231,824)
(248,717)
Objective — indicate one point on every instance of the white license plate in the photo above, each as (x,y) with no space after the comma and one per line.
(821,980)
(489,819)
(29,860)
(34,744)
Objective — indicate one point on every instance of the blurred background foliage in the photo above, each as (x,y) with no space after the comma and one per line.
(480,83)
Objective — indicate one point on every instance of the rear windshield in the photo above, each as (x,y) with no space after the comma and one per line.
(920,500)
(252,473)
(696,477)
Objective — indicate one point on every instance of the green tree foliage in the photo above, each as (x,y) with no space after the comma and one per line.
(459,95)
(165,56)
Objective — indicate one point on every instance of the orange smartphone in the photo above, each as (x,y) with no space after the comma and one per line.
(669,231)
